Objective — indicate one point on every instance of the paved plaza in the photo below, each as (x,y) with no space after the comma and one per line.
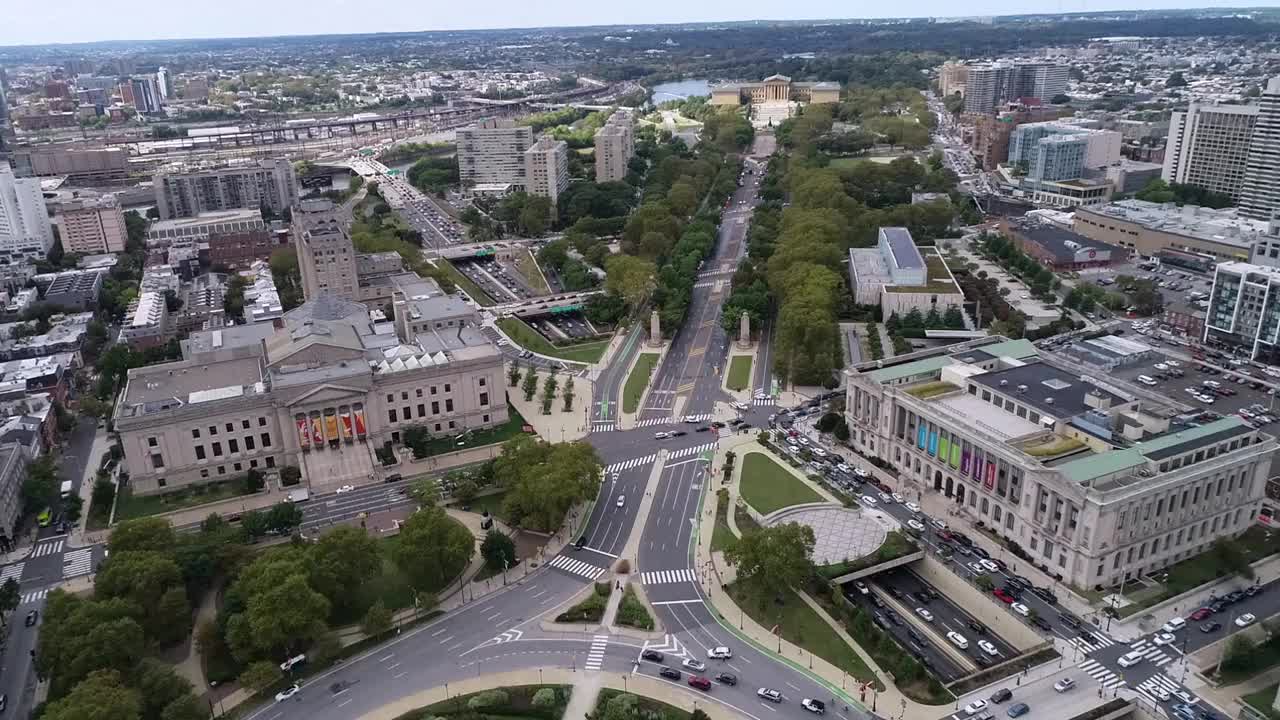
(840,533)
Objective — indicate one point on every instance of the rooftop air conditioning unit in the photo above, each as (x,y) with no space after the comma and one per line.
(1003,382)
(1048,401)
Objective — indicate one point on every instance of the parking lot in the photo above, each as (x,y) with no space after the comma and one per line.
(1239,390)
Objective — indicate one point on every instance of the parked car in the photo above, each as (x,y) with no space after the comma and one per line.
(694,665)
(1064,685)
(725,678)
(699,682)
(817,707)
(669,673)
(287,692)
(975,707)
(1001,695)
(1018,710)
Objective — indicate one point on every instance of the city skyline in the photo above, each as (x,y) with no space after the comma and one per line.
(80,21)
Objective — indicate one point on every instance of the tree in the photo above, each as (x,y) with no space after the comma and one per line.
(102,695)
(1238,654)
(545,700)
(377,620)
(10,596)
(530,386)
(498,551)
(160,686)
(290,475)
(72,506)
(283,518)
(1175,80)
(984,583)
(781,556)
(40,489)
(631,278)
(425,491)
(154,534)
(568,394)
(622,706)
(344,558)
(513,374)
(545,480)
(187,707)
(1230,558)
(260,675)
(432,549)
(282,618)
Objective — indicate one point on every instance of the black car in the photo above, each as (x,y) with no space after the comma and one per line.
(875,600)
(923,597)
(962,538)
(893,617)
(1042,624)
(980,552)
(678,433)
(1013,590)
(1024,582)
(977,627)
(33,617)
(1235,596)
(1046,595)
(669,673)
(717,424)
(703,429)
(1217,606)
(1252,590)
(1069,620)
(1211,626)
(652,655)
(727,679)
(895,592)
(1001,695)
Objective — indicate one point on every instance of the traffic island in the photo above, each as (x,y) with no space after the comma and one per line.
(636,389)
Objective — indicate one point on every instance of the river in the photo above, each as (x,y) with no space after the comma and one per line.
(680,90)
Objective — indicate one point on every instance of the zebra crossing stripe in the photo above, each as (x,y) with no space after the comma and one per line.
(603,427)
(12,571)
(576,567)
(1098,672)
(654,421)
(686,452)
(595,656)
(628,464)
(77,562)
(35,596)
(48,548)
(662,577)
(762,401)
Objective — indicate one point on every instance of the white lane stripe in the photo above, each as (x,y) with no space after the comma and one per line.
(12,571)
(576,567)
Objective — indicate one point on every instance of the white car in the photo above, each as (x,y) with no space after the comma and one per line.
(990,565)
(769,694)
(622,500)
(886,497)
(694,665)
(1245,620)
(1160,693)
(287,692)
(859,472)
(691,419)
(915,525)
(1021,609)
(976,568)
(739,406)
(939,524)
(720,653)
(817,707)
(897,498)
(345,489)
(1163,638)
(1064,685)
(862,587)
(912,507)
(988,648)
(661,435)
(1186,697)
(925,614)
(958,640)
(868,501)
(975,707)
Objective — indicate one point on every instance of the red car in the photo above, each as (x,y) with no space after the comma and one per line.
(945,534)
(699,682)
(1201,614)
(1005,597)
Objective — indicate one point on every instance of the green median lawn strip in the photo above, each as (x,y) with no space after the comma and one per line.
(528,338)
(528,268)
(130,506)
(768,486)
(632,612)
(509,703)
(782,608)
(590,610)
(722,538)
(467,285)
(739,373)
(637,381)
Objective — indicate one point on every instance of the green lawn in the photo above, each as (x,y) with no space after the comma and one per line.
(722,538)
(130,506)
(768,486)
(497,434)
(637,381)
(739,373)
(519,705)
(1196,571)
(530,339)
(464,282)
(648,707)
(491,502)
(895,545)
(1261,701)
(797,623)
(528,268)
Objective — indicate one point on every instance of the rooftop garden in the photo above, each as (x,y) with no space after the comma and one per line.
(924,391)
(938,279)
(1051,446)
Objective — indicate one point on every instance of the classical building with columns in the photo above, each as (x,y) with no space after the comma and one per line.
(775,89)
(319,389)
(1095,480)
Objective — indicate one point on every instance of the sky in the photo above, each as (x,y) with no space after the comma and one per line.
(28,22)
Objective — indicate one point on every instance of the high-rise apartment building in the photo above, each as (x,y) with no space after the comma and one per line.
(144,93)
(1209,147)
(164,83)
(186,193)
(547,168)
(492,152)
(952,78)
(1061,150)
(326,256)
(92,226)
(615,145)
(1244,309)
(25,232)
(1260,192)
(988,87)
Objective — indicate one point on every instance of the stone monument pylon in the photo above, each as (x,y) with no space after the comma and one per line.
(655,329)
(744,331)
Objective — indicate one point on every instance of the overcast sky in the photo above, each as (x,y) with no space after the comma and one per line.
(28,22)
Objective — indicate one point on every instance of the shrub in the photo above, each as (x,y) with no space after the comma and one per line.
(489,699)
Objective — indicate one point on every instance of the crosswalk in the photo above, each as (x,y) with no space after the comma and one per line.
(1093,642)
(763,401)
(595,656)
(35,596)
(633,462)
(1152,652)
(77,563)
(704,417)
(1099,672)
(47,548)
(603,427)
(654,421)
(1152,686)
(576,567)
(13,571)
(686,452)
(663,577)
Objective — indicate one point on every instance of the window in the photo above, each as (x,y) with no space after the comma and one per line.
(233,446)
(391,415)
(482,380)
(422,410)
(435,408)
(244,424)
(437,427)
(404,395)
(448,388)
(157,461)
(418,392)
(266,440)
(448,405)
(433,389)
(217,449)
(271,462)
(199,452)
(161,482)
(484,399)
(407,413)
(235,466)
(391,397)
(213,429)
(248,442)
(152,442)
(230,427)
(484,419)
(204,472)
(222,469)
(452,425)
(253,463)
(195,433)
(262,421)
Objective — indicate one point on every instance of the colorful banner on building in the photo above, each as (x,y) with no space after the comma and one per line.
(360,422)
(991,476)
(955,455)
(921,440)
(317,430)
(331,426)
(964,462)
(304,438)
(933,443)
(944,447)
(346,424)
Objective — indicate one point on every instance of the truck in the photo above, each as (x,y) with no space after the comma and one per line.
(66,489)
(297,496)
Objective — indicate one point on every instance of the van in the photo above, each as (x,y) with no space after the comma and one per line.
(958,640)
(1174,625)
(1130,659)
(1212,384)
(1147,380)
(65,492)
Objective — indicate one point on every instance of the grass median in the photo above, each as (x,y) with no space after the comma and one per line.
(530,339)
(767,485)
(637,381)
(528,268)
(739,373)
